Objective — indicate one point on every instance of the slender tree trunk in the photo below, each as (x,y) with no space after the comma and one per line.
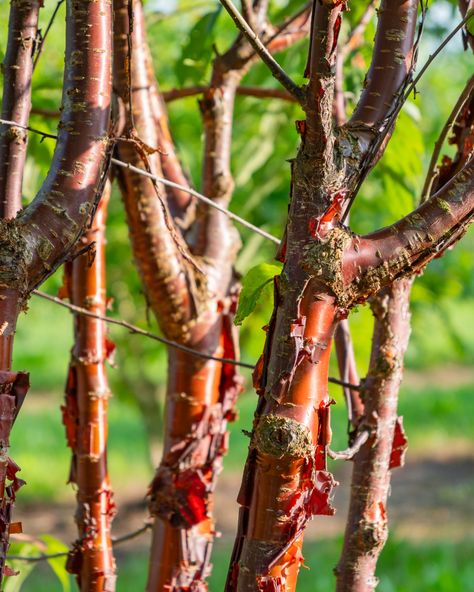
(366,530)
(85,415)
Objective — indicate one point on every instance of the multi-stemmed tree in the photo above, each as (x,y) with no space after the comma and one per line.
(185,254)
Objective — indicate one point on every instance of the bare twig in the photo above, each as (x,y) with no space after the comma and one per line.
(262,51)
(40,46)
(246,91)
(116,540)
(350,452)
(199,196)
(164,181)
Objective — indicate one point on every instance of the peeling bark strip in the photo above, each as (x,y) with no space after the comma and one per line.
(13,389)
(366,530)
(17,69)
(85,414)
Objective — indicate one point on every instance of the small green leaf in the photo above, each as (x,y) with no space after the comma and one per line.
(26,549)
(470,21)
(253,285)
(57,564)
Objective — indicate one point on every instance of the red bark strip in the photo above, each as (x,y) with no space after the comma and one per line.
(85,415)
(13,389)
(366,530)
(17,69)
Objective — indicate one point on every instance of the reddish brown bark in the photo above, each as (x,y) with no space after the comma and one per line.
(85,414)
(327,270)
(40,238)
(17,69)
(366,530)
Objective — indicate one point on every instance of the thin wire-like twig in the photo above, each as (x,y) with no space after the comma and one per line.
(139,331)
(115,540)
(274,67)
(40,45)
(164,181)
(350,452)
(405,93)
(245,91)
(199,196)
(169,342)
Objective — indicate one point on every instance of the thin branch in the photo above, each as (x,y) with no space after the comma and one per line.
(357,34)
(164,181)
(199,196)
(432,172)
(349,453)
(40,46)
(246,91)
(262,51)
(136,330)
(116,540)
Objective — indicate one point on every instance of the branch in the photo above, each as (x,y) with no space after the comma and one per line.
(262,51)
(246,91)
(52,223)
(404,248)
(392,64)
(432,175)
(350,452)
(17,69)
(39,48)
(348,370)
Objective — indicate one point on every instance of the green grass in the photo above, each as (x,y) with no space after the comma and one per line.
(403,567)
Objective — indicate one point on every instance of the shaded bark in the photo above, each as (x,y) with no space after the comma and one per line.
(85,414)
(367,530)
(17,70)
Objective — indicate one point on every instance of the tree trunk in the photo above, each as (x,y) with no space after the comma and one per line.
(85,415)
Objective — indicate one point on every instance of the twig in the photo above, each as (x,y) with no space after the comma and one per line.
(246,91)
(430,175)
(262,51)
(350,452)
(356,35)
(43,38)
(199,196)
(138,331)
(164,181)
(116,540)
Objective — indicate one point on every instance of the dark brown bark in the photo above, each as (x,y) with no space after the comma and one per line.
(17,69)
(366,530)
(85,414)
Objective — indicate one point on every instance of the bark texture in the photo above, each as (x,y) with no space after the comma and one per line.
(85,414)
(367,530)
(17,69)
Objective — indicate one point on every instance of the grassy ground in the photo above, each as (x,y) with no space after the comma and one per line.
(436,419)
(403,567)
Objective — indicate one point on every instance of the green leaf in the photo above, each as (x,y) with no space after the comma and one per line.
(57,564)
(257,281)
(14,583)
(470,22)
(197,53)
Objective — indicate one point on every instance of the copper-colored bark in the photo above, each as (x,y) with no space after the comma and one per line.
(85,415)
(17,69)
